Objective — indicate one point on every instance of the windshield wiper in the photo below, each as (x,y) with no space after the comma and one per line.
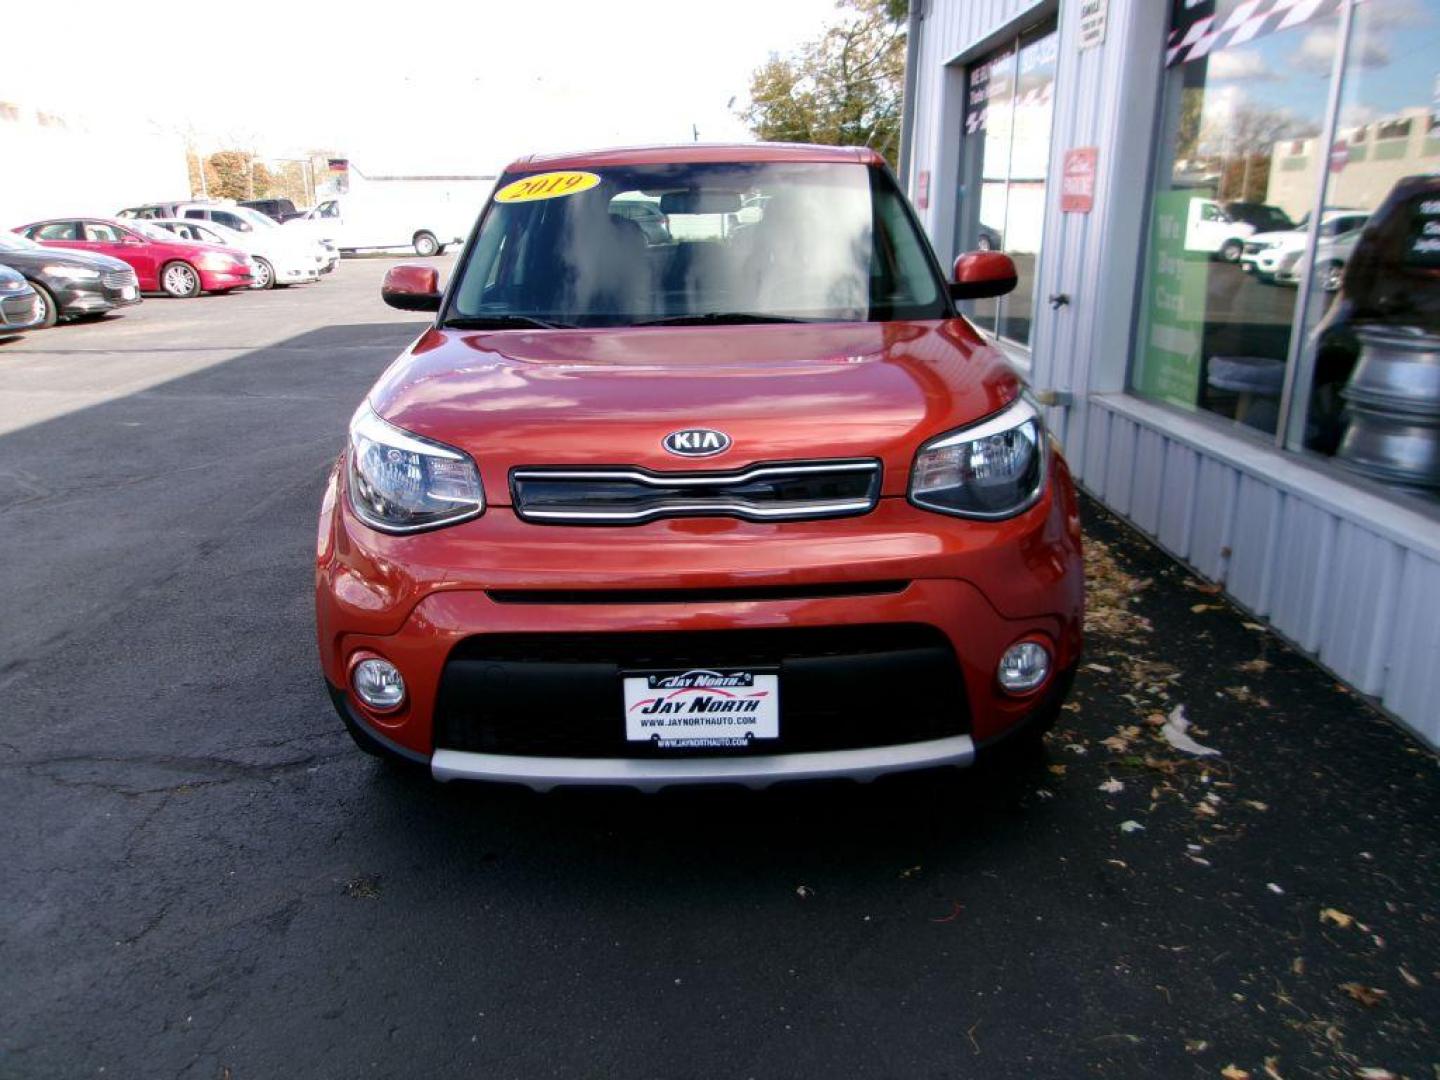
(502,322)
(719,318)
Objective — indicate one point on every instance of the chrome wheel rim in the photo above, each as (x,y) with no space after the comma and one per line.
(180,280)
(263,274)
(1331,281)
(42,309)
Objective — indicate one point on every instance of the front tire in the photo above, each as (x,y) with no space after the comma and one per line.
(1331,275)
(180,280)
(49,310)
(264,275)
(1231,250)
(426,244)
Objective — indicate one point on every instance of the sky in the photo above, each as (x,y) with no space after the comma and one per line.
(418,87)
(1394,64)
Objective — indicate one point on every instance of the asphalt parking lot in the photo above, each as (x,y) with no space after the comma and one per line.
(203,878)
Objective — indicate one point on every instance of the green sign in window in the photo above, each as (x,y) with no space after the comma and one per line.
(1168,357)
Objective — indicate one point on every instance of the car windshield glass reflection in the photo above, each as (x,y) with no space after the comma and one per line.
(713,242)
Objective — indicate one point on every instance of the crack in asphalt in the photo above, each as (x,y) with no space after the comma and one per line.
(221,770)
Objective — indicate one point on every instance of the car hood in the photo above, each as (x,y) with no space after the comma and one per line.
(32,260)
(780,391)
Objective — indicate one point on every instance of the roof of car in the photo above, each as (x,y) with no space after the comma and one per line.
(687,153)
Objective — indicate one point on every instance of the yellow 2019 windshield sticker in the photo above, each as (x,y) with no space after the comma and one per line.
(550,185)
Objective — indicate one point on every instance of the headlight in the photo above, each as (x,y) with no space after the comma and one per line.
(70,273)
(402,483)
(993,469)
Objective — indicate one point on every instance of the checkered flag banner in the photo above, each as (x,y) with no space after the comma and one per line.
(1203,28)
(1043,94)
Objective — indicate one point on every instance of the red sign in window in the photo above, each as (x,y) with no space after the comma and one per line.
(1077,185)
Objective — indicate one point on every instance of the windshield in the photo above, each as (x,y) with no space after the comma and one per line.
(151,231)
(11,242)
(709,242)
(254,217)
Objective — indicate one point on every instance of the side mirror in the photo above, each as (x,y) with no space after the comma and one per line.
(412,288)
(980,274)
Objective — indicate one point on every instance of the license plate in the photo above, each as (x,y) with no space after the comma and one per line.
(128,293)
(702,707)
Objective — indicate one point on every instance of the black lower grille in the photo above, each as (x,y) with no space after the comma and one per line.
(560,695)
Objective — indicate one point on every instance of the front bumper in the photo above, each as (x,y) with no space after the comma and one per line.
(296,275)
(19,311)
(877,580)
(93,298)
(224,281)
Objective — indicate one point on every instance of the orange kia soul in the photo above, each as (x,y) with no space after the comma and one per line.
(698,477)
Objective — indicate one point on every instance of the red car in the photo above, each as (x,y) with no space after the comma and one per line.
(162,263)
(747,503)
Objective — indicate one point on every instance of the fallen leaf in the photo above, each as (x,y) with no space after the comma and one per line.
(1204,809)
(1101,668)
(1198,608)
(1131,826)
(1336,916)
(1125,866)
(955,909)
(1256,804)
(1254,667)
(1297,966)
(909,871)
(1369,996)
(1112,787)
(1370,1072)
(1175,730)
(1410,980)
(1254,626)
(1196,1046)
(1276,889)
(804,892)
(1272,1068)
(1058,770)
(1198,861)
(1234,1072)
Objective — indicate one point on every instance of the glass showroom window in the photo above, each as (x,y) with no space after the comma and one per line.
(1367,382)
(1008,107)
(1244,100)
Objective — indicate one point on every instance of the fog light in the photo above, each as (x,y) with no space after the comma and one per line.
(378,684)
(1024,666)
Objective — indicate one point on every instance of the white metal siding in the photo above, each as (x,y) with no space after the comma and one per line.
(1345,575)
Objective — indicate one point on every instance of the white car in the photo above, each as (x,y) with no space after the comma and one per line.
(262,232)
(1209,229)
(1330,256)
(1266,253)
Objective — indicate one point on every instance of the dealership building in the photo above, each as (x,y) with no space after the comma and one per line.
(1182,185)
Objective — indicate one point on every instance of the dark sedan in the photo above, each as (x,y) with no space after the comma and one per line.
(70,284)
(18,307)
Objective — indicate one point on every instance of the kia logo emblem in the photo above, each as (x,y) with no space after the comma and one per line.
(696,442)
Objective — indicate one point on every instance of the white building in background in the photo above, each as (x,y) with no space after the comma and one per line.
(56,165)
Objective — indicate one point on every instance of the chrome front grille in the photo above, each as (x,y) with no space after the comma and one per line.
(18,310)
(625,495)
(118,279)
